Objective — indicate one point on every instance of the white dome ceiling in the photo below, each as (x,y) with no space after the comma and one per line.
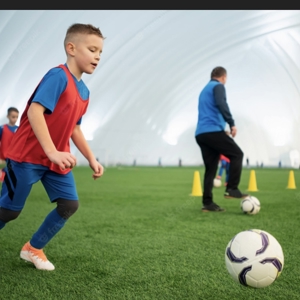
(144,93)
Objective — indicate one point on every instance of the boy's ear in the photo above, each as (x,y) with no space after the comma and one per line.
(70,48)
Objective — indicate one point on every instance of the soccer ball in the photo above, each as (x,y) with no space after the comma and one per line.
(217,182)
(254,258)
(250,205)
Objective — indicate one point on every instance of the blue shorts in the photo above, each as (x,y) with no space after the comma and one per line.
(20,177)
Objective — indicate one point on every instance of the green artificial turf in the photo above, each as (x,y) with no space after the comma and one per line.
(139,234)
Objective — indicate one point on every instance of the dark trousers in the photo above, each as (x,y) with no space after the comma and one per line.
(212,145)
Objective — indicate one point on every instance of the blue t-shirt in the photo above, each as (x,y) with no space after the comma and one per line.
(53,85)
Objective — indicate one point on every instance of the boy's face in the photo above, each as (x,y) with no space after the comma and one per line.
(86,52)
(13,117)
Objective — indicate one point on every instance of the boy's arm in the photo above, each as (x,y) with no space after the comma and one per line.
(82,145)
(39,126)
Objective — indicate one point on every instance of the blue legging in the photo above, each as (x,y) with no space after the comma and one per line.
(224,166)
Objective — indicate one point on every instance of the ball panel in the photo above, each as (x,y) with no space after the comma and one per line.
(247,206)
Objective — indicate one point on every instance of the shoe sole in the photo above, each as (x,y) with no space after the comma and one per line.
(206,210)
(230,197)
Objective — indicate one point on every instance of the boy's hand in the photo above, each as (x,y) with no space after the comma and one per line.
(63,159)
(97,168)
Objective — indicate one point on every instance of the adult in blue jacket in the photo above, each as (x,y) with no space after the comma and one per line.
(213,114)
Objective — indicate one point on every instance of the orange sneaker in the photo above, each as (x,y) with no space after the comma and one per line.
(37,257)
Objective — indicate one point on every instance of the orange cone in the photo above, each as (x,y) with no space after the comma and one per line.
(196,190)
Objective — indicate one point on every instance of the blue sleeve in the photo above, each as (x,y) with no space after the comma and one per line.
(1,130)
(79,121)
(50,88)
(220,98)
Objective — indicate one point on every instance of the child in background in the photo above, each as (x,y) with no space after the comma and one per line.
(6,134)
(225,164)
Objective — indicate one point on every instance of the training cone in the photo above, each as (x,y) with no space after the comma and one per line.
(196,190)
(252,182)
(291,183)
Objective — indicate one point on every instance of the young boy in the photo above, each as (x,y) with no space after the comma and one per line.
(40,149)
(6,134)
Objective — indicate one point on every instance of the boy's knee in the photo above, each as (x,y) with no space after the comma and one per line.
(7,215)
(66,208)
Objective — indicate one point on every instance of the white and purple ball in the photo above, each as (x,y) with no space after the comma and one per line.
(254,258)
(250,205)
